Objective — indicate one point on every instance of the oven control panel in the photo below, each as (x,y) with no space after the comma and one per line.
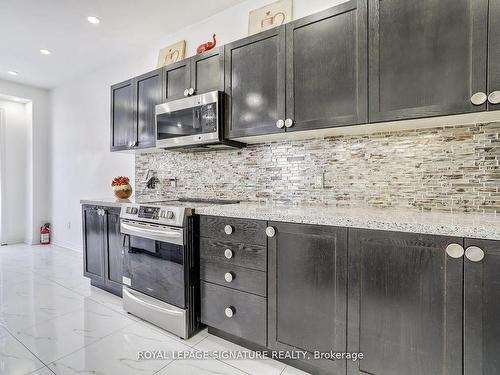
(170,215)
(146,212)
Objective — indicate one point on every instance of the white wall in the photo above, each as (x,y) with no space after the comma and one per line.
(15,150)
(38,178)
(81,163)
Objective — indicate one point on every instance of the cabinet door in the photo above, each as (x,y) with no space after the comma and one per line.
(255,83)
(494,55)
(93,246)
(405,298)
(326,81)
(307,283)
(176,78)
(426,57)
(207,71)
(482,308)
(148,93)
(113,251)
(123,127)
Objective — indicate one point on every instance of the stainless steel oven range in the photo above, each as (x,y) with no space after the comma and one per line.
(161,269)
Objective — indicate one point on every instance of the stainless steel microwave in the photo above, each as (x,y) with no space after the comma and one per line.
(193,122)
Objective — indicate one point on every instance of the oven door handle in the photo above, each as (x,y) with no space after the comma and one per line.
(130,295)
(170,236)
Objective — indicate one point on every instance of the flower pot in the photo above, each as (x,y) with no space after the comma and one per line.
(122,191)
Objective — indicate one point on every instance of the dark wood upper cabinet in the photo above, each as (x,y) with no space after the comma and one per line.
(148,94)
(494,55)
(426,58)
(255,84)
(207,71)
(93,244)
(307,291)
(133,111)
(123,128)
(482,307)
(405,304)
(326,67)
(177,79)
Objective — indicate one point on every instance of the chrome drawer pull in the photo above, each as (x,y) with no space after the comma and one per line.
(270,231)
(228,229)
(228,276)
(229,311)
(228,253)
(455,250)
(474,254)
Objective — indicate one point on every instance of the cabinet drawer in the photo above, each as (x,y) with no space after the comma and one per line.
(249,317)
(243,255)
(242,230)
(244,279)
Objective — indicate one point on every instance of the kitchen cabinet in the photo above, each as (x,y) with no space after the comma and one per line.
(426,58)
(233,273)
(133,111)
(148,88)
(326,68)
(494,55)
(123,129)
(102,247)
(482,307)
(255,84)
(307,291)
(405,303)
(196,75)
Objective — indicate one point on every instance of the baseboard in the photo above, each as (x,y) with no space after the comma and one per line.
(67,245)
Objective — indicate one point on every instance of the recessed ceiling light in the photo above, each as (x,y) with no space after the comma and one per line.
(45,51)
(18,100)
(93,20)
(12,73)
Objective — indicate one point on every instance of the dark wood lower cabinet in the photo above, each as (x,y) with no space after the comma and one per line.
(307,292)
(102,247)
(482,308)
(405,304)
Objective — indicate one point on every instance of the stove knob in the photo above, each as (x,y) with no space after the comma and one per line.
(170,215)
(134,210)
(128,210)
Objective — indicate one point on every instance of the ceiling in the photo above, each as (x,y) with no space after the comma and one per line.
(61,26)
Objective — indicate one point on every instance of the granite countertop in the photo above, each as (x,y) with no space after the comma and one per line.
(485,226)
(107,202)
(457,224)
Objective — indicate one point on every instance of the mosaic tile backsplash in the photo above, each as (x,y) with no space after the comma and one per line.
(445,169)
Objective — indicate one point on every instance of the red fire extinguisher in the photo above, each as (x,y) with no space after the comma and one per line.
(45,234)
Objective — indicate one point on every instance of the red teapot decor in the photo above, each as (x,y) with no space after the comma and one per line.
(206,46)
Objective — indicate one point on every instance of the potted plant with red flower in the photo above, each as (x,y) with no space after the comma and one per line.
(121,187)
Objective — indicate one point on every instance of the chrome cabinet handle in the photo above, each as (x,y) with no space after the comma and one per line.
(455,250)
(228,276)
(288,123)
(229,311)
(474,253)
(191,91)
(228,254)
(186,92)
(228,229)
(478,98)
(270,232)
(280,124)
(494,97)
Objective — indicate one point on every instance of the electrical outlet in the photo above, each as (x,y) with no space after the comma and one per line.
(319,181)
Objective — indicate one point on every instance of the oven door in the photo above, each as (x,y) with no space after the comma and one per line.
(190,121)
(154,261)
